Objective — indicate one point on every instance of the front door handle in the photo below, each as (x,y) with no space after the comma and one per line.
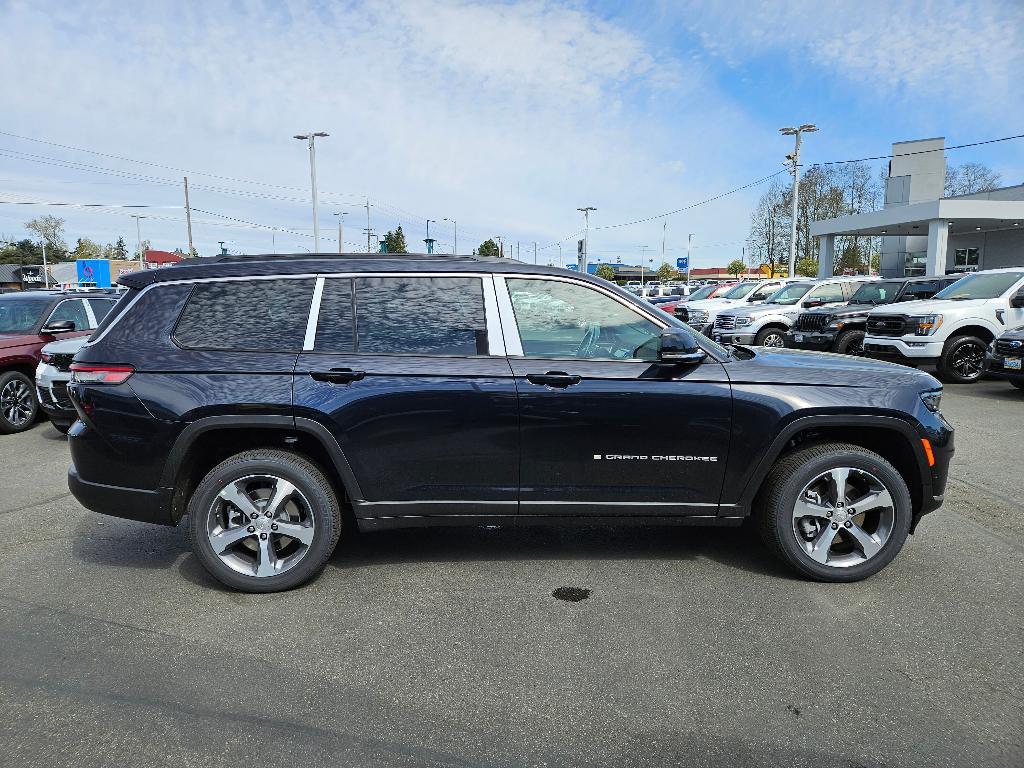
(338,375)
(558,379)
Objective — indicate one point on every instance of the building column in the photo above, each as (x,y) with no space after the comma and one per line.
(826,255)
(938,236)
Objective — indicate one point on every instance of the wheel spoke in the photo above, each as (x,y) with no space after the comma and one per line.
(296,531)
(266,564)
(819,548)
(283,491)
(236,495)
(806,508)
(839,477)
(872,500)
(868,543)
(224,539)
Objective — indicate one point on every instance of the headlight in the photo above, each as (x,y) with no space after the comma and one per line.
(932,399)
(741,321)
(45,357)
(833,323)
(927,324)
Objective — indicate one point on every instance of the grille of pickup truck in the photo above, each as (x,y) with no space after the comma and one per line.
(887,325)
(725,322)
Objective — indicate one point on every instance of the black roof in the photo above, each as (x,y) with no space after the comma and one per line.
(306,263)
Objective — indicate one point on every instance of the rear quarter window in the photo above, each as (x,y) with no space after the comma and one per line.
(246,315)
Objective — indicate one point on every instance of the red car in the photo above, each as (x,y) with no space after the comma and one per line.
(28,321)
(701,293)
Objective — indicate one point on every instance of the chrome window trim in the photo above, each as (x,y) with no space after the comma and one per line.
(313,318)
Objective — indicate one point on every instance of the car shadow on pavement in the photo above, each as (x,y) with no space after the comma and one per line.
(110,541)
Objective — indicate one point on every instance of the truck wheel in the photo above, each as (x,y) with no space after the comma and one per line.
(769,337)
(963,360)
(850,343)
(264,521)
(18,404)
(835,512)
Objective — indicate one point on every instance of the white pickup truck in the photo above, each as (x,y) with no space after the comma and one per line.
(951,330)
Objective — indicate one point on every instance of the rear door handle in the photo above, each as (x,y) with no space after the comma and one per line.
(338,375)
(554,379)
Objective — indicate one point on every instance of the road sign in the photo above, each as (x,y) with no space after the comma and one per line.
(683,263)
(573,267)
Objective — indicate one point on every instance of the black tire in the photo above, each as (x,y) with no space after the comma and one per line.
(790,476)
(850,343)
(953,370)
(1018,383)
(776,337)
(310,481)
(19,407)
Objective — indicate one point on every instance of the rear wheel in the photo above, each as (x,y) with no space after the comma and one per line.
(264,521)
(18,404)
(835,512)
(61,427)
(770,337)
(850,343)
(963,360)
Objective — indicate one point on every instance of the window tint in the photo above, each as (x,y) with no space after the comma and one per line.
(828,293)
(420,316)
(336,327)
(875,293)
(558,319)
(266,315)
(71,309)
(923,290)
(100,308)
(980,286)
(21,315)
(763,293)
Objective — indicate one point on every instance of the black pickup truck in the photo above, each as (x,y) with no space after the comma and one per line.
(841,329)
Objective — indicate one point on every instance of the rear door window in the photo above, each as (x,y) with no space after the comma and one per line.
(252,315)
(100,308)
(828,294)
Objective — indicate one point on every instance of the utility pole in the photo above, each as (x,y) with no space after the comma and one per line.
(368,225)
(794,160)
(643,257)
(46,271)
(188,218)
(428,241)
(311,138)
(341,231)
(664,227)
(560,263)
(138,238)
(534,251)
(586,235)
(689,245)
(455,248)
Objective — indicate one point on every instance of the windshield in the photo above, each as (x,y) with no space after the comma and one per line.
(980,286)
(876,293)
(791,294)
(21,315)
(739,291)
(701,293)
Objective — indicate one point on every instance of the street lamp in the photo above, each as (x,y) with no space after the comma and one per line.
(643,255)
(138,237)
(586,235)
(311,138)
(794,159)
(341,240)
(455,247)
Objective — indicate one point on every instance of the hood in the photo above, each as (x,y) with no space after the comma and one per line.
(756,310)
(784,366)
(1014,334)
(712,303)
(65,346)
(929,306)
(845,310)
(20,340)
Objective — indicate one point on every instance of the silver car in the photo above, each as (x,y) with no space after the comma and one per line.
(52,376)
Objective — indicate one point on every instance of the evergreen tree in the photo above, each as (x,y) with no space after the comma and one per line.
(488,248)
(120,249)
(394,242)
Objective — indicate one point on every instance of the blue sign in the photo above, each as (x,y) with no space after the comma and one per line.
(93,271)
(573,267)
(683,263)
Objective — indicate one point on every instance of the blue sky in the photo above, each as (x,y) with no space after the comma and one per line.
(503,116)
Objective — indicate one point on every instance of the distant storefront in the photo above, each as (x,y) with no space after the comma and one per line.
(21,277)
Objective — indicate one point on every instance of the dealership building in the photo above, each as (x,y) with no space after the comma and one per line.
(924,233)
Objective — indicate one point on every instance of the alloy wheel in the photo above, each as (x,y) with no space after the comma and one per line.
(843,517)
(773,340)
(968,361)
(16,403)
(260,525)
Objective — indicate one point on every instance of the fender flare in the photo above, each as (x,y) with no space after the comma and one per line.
(756,478)
(193,430)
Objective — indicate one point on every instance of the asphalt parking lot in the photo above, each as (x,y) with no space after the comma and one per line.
(446,647)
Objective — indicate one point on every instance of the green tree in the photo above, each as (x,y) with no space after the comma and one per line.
(51,230)
(807,267)
(120,250)
(87,249)
(736,267)
(22,252)
(666,272)
(488,248)
(606,272)
(394,242)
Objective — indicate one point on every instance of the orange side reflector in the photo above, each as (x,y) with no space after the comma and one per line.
(928,451)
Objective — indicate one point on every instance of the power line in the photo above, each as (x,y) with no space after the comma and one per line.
(921,151)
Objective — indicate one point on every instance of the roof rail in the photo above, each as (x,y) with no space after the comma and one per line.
(228,258)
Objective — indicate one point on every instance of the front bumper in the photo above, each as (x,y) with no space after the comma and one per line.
(821,341)
(911,350)
(733,337)
(52,393)
(996,365)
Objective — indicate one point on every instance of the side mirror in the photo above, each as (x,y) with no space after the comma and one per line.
(1018,299)
(58,326)
(677,346)
(811,303)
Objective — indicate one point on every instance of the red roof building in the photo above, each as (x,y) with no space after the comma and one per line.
(161,258)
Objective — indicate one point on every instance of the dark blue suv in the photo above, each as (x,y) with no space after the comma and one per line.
(279,401)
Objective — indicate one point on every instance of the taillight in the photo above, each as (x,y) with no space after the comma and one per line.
(84,373)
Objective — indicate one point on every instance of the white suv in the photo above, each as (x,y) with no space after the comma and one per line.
(702,314)
(765,325)
(951,330)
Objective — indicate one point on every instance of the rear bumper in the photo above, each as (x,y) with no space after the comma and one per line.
(130,503)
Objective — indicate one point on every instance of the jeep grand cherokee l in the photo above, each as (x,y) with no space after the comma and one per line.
(280,401)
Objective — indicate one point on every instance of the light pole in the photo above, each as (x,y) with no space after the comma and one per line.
(341,231)
(138,239)
(311,138)
(643,256)
(689,245)
(455,248)
(794,158)
(428,242)
(586,235)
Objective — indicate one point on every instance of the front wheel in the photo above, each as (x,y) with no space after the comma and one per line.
(18,404)
(850,343)
(835,512)
(264,521)
(962,360)
(769,337)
